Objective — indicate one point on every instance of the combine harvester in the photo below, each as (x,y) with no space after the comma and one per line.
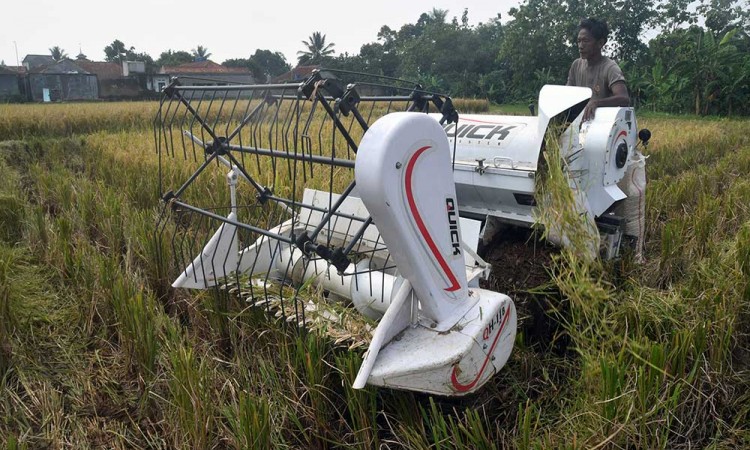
(374,195)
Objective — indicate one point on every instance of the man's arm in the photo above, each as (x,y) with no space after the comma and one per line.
(619,97)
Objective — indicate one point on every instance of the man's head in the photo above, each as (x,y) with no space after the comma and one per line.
(592,35)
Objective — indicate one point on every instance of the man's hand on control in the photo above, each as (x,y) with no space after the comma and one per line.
(620,97)
(590,110)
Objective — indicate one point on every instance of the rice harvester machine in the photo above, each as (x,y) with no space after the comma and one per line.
(359,204)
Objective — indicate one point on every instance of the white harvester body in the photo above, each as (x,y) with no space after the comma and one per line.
(437,331)
(497,157)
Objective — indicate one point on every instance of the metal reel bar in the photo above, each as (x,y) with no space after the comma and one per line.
(267,122)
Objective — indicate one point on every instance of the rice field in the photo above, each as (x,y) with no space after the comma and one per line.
(98,351)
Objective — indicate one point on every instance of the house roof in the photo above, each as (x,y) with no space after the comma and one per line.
(202,67)
(34,61)
(65,66)
(7,71)
(296,74)
(20,70)
(103,70)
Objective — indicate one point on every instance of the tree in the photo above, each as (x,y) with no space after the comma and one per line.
(492,86)
(247,63)
(174,58)
(705,72)
(675,13)
(724,15)
(465,18)
(236,62)
(387,35)
(200,53)
(437,15)
(657,88)
(57,53)
(380,59)
(625,37)
(271,63)
(540,36)
(707,59)
(116,51)
(315,49)
(263,64)
(735,89)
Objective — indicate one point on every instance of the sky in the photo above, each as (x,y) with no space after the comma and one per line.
(229,29)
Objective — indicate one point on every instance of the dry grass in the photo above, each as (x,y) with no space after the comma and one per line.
(97,351)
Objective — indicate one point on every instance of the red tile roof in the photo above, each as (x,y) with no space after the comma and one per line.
(205,67)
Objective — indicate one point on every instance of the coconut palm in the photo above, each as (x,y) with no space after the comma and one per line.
(316,49)
(57,53)
(438,15)
(201,53)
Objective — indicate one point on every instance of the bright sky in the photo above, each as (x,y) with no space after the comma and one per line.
(229,29)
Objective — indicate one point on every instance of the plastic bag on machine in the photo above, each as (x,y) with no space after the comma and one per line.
(633,208)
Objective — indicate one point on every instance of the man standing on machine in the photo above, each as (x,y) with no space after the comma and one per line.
(607,83)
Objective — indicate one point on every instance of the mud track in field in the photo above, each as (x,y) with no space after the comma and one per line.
(521,264)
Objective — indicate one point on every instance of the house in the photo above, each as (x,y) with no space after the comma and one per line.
(117,81)
(33,62)
(58,81)
(45,79)
(10,85)
(157,82)
(201,73)
(131,68)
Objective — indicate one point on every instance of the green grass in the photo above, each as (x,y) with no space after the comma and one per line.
(96,350)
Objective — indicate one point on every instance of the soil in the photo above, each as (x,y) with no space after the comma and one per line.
(521,268)
(520,261)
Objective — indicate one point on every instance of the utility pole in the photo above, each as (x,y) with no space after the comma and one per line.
(16,46)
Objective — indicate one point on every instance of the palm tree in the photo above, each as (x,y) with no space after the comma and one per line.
(438,15)
(57,53)
(201,53)
(316,49)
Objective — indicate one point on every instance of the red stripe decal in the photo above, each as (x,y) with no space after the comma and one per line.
(420,223)
(454,376)
(622,133)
